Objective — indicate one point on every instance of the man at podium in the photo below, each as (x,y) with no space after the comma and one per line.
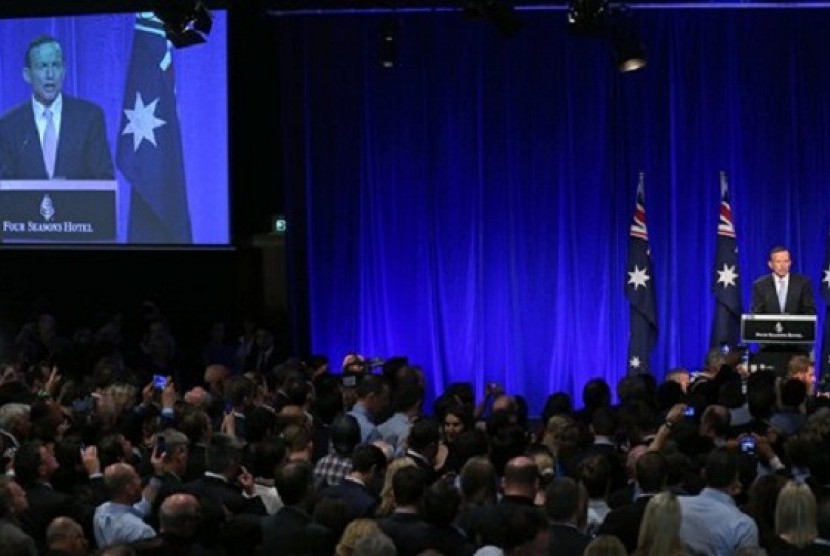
(782,292)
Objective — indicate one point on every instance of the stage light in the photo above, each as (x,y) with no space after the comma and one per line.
(388,45)
(186,22)
(629,50)
(588,17)
(599,19)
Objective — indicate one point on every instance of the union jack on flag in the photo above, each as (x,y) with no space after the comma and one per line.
(726,284)
(639,289)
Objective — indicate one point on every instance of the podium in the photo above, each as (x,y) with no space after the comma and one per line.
(779,337)
(58,211)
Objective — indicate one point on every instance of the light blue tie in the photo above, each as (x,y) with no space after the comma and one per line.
(50,143)
(782,293)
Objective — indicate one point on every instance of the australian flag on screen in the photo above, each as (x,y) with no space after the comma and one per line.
(825,293)
(639,289)
(726,283)
(149,153)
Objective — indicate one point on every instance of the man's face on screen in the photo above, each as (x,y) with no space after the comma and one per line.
(45,72)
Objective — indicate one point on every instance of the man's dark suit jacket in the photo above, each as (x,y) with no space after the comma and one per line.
(45,504)
(567,541)
(83,149)
(211,489)
(799,301)
(359,500)
(409,532)
(285,533)
(624,522)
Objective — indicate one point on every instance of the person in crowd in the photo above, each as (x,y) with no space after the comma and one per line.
(796,525)
(660,529)
(406,404)
(53,135)
(334,466)
(285,531)
(605,545)
(65,537)
(34,466)
(711,521)
(404,525)
(387,498)
(376,544)
(359,488)
(116,521)
(372,397)
(651,472)
(566,506)
(422,447)
(355,530)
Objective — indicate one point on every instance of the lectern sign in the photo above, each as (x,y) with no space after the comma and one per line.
(64,211)
(778,329)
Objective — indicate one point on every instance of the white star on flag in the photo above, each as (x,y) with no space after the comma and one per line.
(727,276)
(634,363)
(638,277)
(142,121)
(826,278)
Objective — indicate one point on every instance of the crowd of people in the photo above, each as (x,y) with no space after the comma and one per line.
(111,449)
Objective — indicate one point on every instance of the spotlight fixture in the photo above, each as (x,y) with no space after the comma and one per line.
(186,22)
(388,45)
(629,50)
(588,17)
(498,12)
(599,19)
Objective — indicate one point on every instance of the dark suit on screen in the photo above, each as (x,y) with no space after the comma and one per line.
(799,300)
(83,150)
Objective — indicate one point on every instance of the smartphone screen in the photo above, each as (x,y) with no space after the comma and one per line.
(159,382)
(161,445)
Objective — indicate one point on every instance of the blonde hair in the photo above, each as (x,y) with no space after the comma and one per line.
(605,545)
(123,395)
(660,528)
(354,531)
(387,499)
(558,430)
(795,514)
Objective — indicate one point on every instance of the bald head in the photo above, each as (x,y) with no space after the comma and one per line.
(215,374)
(179,514)
(65,535)
(521,477)
(122,483)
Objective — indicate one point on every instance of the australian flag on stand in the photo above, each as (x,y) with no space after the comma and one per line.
(149,153)
(639,289)
(726,283)
(825,293)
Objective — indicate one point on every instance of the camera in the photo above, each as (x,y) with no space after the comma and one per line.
(159,382)
(689,411)
(747,444)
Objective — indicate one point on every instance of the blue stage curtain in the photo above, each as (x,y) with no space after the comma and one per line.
(470,207)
